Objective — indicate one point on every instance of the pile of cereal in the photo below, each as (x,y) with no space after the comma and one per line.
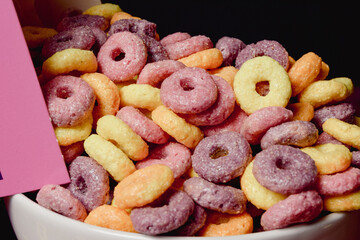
(171,135)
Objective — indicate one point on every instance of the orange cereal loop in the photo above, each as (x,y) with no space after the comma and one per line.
(140,96)
(206,59)
(324,71)
(347,202)
(304,71)
(106,93)
(111,217)
(119,133)
(177,127)
(69,60)
(122,15)
(228,73)
(221,224)
(143,186)
(36,36)
(106,10)
(302,111)
(113,160)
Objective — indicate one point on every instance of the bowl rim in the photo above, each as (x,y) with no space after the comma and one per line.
(324,222)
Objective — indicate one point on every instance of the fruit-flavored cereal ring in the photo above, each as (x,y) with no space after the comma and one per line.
(134,26)
(304,72)
(339,183)
(177,127)
(69,100)
(80,37)
(324,137)
(302,111)
(195,221)
(166,214)
(324,92)
(342,111)
(233,123)
(207,59)
(89,182)
(189,90)
(355,159)
(109,156)
(184,48)
(142,125)
(114,129)
(220,158)
(254,71)
(36,36)
(329,158)
(257,194)
(347,82)
(230,48)
(295,133)
(140,96)
(106,93)
(221,224)
(256,125)
(297,208)
(174,37)
(324,71)
(70,135)
(228,73)
(154,73)
(126,45)
(225,199)
(111,217)
(268,48)
(100,39)
(347,202)
(72,151)
(284,169)
(106,10)
(60,200)
(219,111)
(344,132)
(174,155)
(121,15)
(143,186)
(156,51)
(82,20)
(69,60)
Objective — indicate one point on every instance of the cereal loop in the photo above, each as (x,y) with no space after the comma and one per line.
(82,20)
(140,96)
(109,156)
(108,216)
(206,59)
(143,186)
(36,36)
(257,70)
(302,111)
(121,15)
(106,10)
(228,73)
(177,127)
(329,158)
(347,202)
(69,60)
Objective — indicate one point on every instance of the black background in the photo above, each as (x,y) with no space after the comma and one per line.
(328,28)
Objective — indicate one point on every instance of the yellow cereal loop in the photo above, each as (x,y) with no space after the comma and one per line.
(206,59)
(347,82)
(111,217)
(106,93)
(118,132)
(260,69)
(221,224)
(143,186)
(69,135)
(36,36)
(329,158)
(324,92)
(347,202)
(228,73)
(177,127)
(258,195)
(344,132)
(106,10)
(69,60)
(109,156)
(140,96)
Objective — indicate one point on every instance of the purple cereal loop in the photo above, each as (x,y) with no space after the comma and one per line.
(343,111)
(89,182)
(221,198)
(297,208)
(82,20)
(355,159)
(324,138)
(133,25)
(156,51)
(167,213)
(230,48)
(100,39)
(284,169)
(221,157)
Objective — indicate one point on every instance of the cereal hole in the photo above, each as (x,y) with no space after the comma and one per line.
(118,55)
(281,163)
(262,88)
(218,152)
(81,185)
(63,92)
(186,84)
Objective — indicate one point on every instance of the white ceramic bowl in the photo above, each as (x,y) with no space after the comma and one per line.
(33,222)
